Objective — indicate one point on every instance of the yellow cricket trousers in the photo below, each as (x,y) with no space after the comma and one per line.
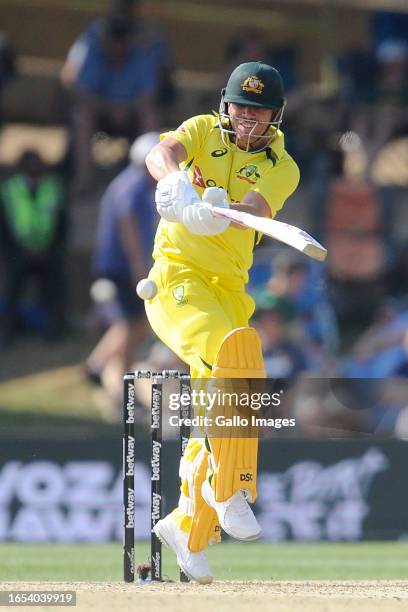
(192,313)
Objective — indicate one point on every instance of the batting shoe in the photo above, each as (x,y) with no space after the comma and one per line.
(193,564)
(235,515)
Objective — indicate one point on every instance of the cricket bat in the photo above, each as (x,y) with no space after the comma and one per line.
(289,234)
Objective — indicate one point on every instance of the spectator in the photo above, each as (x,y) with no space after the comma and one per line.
(144,36)
(303,285)
(114,89)
(387,109)
(123,255)
(356,236)
(381,351)
(283,359)
(33,223)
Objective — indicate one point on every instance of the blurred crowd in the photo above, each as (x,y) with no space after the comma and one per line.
(349,134)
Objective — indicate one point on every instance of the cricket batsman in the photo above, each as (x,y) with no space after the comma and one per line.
(201,311)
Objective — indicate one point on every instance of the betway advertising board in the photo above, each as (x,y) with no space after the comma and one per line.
(70,490)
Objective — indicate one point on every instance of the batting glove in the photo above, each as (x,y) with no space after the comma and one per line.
(173,193)
(199,218)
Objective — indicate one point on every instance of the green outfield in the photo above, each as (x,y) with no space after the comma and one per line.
(229,561)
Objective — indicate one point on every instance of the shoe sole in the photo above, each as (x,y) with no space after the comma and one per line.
(248,539)
(203,580)
(230,533)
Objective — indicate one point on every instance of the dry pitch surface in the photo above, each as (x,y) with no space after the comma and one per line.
(311,596)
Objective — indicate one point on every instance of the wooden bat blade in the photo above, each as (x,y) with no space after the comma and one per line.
(289,234)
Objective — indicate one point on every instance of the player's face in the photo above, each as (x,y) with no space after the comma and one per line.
(249,123)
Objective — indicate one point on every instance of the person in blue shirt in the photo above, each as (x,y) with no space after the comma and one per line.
(114,76)
(126,227)
(145,37)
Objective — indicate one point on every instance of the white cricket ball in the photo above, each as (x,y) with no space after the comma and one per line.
(102,291)
(146,289)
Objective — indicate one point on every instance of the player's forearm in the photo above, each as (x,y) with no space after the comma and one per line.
(165,158)
(160,162)
(255,206)
(254,210)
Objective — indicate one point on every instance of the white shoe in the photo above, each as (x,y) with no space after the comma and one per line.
(194,565)
(235,515)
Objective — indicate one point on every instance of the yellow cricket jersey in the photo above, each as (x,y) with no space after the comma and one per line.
(271,173)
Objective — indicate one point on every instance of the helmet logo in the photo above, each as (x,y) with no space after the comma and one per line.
(253,85)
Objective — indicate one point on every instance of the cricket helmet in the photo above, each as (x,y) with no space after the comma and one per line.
(253,84)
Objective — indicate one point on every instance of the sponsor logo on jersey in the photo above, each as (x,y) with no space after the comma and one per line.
(248,173)
(198,177)
(219,152)
(253,84)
